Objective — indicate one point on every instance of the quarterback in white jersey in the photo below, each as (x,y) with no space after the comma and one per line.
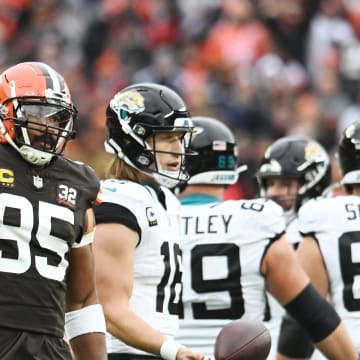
(293,170)
(138,260)
(157,263)
(235,250)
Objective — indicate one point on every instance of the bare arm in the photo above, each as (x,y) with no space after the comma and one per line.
(285,278)
(81,292)
(312,262)
(114,253)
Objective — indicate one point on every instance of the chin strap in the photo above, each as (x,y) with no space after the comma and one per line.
(164,180)
(34,156)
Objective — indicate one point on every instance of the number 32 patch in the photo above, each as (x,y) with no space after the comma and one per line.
(67,196)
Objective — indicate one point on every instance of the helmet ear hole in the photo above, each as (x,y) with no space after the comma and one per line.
(145,159)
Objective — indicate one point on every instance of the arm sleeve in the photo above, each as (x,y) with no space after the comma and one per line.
(314,313)
(293,340)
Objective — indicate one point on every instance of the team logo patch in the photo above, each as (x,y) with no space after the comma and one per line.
(219,145)
(313,151)
(150,214)
(129,102)
(7,178)
(67,196)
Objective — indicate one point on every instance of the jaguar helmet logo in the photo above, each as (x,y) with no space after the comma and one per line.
(127,103)
(313,152)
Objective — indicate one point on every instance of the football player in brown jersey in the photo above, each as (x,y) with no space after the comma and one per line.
(47,224)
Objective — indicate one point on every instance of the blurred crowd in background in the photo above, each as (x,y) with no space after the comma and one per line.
(267,68)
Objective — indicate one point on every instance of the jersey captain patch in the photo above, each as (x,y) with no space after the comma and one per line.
(7,178)
(150,214)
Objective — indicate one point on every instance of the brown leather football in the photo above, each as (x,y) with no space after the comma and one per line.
(243,340)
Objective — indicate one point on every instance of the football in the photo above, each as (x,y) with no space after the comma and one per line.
(242,340)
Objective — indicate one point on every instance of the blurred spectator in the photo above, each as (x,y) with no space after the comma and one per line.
(235,99)
(195,78)
(274,74)
(164,69)
(289,21)
(133,29)
(277,81)
(328,29)
(11,12)
(281,114)
(350,114)
(198,17)
(237,39)
(352,13)
(349,69)
(332,103)
(305,116)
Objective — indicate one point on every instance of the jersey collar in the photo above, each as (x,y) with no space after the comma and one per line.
(198,199)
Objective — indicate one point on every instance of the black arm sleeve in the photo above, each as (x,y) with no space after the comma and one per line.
(314,313)
(293,340)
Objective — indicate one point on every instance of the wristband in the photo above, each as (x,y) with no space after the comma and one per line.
(89,319)
(169,349)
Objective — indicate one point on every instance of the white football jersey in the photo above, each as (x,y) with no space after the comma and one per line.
(157,267)
(335,223)
(223,244)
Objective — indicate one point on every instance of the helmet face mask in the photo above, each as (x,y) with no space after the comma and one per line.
(298,158)
(36,114)
(136,116)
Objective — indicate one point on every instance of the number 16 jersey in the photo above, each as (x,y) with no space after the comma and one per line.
(157,270)
(223,244)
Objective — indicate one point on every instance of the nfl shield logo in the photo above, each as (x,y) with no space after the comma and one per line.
(150,214)
(38,181)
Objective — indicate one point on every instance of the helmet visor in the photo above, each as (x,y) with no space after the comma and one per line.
(46,115)
(43,127)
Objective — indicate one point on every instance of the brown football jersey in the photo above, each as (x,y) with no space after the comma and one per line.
(42,215)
